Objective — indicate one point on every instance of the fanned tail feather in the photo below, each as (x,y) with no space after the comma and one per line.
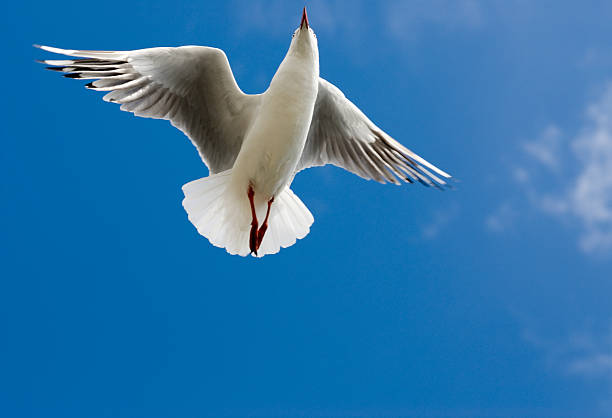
(224,217)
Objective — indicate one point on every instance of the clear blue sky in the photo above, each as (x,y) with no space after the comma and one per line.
(493,299)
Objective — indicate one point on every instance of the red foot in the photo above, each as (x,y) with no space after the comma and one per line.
(253,245)
(257,234)
(264,226)
(254,224)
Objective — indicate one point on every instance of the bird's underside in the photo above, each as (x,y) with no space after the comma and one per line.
(193,87)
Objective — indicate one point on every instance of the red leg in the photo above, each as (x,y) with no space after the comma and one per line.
(254,224)
(264,226)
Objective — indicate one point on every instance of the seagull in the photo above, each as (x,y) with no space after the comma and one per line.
(253,145)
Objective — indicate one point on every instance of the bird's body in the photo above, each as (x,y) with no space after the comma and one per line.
(253,145)
(273,145)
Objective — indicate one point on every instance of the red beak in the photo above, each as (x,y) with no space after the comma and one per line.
(304,19)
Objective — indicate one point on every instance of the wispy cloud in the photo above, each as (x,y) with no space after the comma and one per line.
(586,355)
(440,220)
(591,198)
(351,20)
(501,219)
(596,57)
(329,17)
(406,19)
(546,148)
(581,354)
(581,168)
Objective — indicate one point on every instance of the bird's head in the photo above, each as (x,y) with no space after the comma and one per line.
(304,39)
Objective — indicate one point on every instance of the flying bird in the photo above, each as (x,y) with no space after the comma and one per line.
(253,145)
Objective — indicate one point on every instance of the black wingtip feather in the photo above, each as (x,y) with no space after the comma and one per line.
(89,85)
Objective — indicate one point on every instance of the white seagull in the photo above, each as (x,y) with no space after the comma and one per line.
(253,145)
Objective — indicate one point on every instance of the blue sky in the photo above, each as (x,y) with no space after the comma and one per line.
(489,300)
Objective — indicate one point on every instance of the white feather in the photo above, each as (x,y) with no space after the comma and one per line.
(224,218)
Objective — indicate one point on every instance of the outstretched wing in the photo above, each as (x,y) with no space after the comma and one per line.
(191,86)
(340,134)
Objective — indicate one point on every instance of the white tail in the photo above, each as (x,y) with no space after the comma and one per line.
(224,217)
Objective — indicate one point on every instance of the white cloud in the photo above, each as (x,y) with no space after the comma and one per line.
(262,16)
(352,20)
(592,195)
(584,170)
(584,355)
(405,19)
(596,57)
(274,16)
(440,220)
(587,355)
(591,365)
(521,175)
(502,219)
(545,149)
